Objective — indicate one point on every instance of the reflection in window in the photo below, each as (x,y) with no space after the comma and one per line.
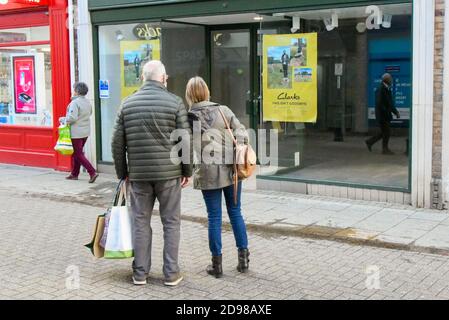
(356,46)
(124,49)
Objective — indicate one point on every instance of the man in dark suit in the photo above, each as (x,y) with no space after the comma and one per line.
(384,114)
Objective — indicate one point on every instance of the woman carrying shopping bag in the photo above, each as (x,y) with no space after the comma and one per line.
(215,179)
(78,116)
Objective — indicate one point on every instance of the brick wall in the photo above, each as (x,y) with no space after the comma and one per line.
(438,104)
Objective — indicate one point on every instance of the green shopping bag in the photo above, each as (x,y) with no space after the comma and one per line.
(64,145)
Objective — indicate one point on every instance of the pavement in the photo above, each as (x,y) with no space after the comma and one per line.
(45,221)
(42,257)
(357,222)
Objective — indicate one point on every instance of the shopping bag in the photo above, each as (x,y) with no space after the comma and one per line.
(64,145)
(107,218)
(94,246)
(119,243)
(107,215)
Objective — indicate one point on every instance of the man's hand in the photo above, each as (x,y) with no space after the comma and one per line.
(185,182)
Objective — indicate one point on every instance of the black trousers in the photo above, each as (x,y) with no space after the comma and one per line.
(384,135)
(285,68)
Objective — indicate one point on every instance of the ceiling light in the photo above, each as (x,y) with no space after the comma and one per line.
(361,27)
(296,24)
(387,21)
(119,35)
(3,1)
(258,18)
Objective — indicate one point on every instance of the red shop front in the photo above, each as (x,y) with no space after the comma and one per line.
(34,81)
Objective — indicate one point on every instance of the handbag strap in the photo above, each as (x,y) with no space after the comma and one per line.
(234,140)
(228,127)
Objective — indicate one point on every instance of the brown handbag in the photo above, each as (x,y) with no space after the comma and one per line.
(245,158)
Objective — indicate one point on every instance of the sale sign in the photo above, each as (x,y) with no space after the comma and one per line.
(24,85)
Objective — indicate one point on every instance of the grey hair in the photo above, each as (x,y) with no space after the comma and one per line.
(153,70)
(81,88)
(387,76)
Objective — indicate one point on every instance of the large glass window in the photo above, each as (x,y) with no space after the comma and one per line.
(25,78)
(25,34)
(355,48)
(124,49)
(320,84)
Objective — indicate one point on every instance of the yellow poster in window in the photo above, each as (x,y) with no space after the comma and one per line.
(290,91)
(133,56)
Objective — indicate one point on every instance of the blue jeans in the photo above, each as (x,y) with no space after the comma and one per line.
(213,204)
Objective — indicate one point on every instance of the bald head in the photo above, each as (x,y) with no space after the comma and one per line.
(154,70)
(387,78)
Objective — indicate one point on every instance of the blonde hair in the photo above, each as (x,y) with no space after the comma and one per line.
(197,91)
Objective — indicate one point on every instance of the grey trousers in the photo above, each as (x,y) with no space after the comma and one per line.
(142,198)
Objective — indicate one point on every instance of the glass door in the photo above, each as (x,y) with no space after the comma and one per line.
(231,71)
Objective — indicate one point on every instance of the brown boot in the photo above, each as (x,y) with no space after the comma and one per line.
(243,265)
(216,269)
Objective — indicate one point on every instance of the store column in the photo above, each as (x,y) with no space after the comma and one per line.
(445,116)
(86,70)
(61,69)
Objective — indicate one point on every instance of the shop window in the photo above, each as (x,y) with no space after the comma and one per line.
(124,49)
(25,86)
(320,93)
(25,34)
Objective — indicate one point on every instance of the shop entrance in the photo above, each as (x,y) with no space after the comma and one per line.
(230,71)
(230,53)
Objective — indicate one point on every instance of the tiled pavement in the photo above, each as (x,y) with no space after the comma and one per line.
(291,214)
(42,256)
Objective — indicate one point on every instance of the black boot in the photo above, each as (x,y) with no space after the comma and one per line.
(243,261)
(216,269)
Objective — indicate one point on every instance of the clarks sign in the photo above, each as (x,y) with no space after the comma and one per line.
(145,31)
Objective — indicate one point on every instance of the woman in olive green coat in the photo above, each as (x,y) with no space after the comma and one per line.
(213,170)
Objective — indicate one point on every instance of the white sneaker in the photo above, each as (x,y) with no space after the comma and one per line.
(139,282)
(174,282)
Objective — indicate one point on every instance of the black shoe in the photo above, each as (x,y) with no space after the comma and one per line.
(93,178)
(369,146)
(216,269)
(243,265)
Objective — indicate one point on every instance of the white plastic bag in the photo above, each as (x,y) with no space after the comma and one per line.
(119,243)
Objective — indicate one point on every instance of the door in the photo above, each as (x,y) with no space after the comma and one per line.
(231,79)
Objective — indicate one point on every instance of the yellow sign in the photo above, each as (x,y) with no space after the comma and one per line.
(133,56)
(290,77)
